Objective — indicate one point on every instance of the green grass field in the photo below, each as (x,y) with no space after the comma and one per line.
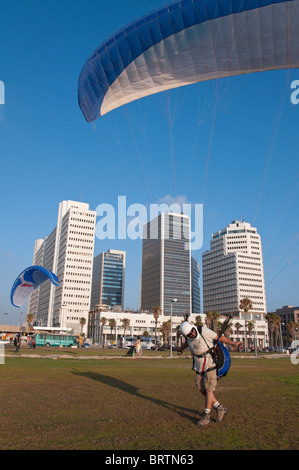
(85,402)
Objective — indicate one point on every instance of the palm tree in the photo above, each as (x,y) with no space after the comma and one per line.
(198,321)
(103,321)
(238,326)
(156,311)
(126,324)
(250,326)
(292,329)
(274,328)
(212,320)
(209,320)
(270,317)
(245,305)
(112,324)
(82,322)
(29,320)
(277,321)
(165,330)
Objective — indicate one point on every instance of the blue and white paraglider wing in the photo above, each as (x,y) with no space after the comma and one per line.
(186,42)
(28,281)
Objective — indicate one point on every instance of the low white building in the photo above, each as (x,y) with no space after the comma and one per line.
(140,322)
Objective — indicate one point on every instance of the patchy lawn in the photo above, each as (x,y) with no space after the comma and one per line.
(150,404)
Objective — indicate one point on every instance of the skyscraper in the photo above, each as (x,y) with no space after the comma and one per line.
(68,252)
(108,278)
(195,274)
(166,264)
(233,269)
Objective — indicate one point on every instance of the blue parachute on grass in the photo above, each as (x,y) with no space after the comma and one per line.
(186,42)
(28,281)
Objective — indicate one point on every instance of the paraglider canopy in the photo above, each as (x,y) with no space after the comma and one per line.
(186,42)
(28,281)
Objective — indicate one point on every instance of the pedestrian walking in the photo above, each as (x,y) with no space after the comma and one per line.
(138,346)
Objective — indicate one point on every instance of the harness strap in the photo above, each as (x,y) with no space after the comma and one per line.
(201,355)
(210,351)
(208,370)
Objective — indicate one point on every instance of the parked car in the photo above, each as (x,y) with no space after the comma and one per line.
(85,345)
(6,342)
(128,341)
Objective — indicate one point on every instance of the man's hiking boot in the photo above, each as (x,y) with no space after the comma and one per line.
(221,411)
(204,420)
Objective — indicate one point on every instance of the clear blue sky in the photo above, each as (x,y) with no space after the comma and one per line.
(235,145)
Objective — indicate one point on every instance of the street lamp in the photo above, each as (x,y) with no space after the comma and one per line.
(255,335)
(281,341)
(173,301)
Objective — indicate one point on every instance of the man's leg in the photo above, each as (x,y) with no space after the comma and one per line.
(208,384)
(210,399)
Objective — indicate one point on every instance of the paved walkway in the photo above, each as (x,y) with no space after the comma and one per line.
(69,356)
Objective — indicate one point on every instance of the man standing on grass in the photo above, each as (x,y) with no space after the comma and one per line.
(204,366)
(17,342)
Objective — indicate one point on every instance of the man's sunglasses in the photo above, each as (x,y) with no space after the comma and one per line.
(191,334)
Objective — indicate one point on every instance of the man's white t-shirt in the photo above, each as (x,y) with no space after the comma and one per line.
(199,346)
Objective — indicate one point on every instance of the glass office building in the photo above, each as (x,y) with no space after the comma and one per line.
(166,264)
(195,274)
(108,279)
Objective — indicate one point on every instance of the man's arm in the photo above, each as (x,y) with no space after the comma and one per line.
(184,346)
(226,340)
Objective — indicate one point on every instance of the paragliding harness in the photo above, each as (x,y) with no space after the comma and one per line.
(219,353)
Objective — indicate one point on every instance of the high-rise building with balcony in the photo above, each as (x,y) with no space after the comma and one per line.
(68,252)
(233,269)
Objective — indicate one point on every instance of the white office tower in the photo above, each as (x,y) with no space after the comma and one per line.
(38,259)
(233,269)
(68,252)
